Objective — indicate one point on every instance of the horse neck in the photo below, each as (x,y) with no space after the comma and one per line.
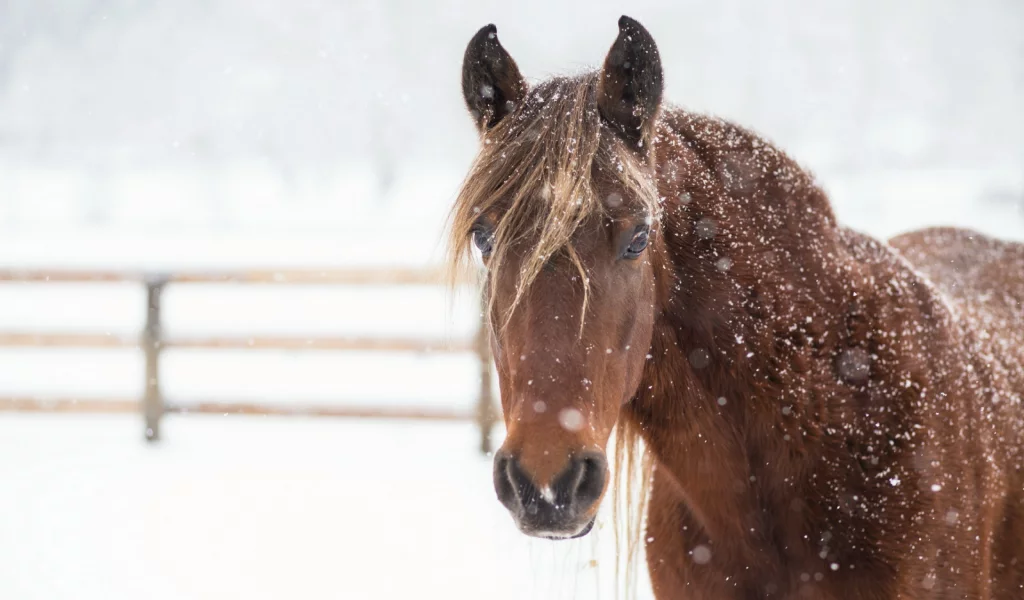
(748,250)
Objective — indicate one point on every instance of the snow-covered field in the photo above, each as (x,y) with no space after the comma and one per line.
(264,508)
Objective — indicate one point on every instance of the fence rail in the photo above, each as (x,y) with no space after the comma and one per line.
(100,340)
(152,341)
(267,276)
(128,405)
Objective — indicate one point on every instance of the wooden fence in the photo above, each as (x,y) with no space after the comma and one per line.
(152,341)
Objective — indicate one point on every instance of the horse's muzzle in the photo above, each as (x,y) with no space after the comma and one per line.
(561,510)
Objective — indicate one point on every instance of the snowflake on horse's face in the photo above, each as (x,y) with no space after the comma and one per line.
(679,278)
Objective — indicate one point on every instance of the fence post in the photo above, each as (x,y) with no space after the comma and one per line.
(153,401)
(485,413)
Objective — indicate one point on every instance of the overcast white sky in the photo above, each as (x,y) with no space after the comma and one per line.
(112,91)
(133,82)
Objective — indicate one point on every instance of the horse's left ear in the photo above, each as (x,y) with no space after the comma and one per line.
(631,85)
(491,83)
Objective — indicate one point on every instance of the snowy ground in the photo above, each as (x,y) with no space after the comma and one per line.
(250,507)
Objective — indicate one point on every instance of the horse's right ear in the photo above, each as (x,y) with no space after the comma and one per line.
(491,83)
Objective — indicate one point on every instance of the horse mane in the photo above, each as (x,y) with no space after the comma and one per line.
(634,468)
(534,173)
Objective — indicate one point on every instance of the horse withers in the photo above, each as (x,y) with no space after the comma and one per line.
(828,416)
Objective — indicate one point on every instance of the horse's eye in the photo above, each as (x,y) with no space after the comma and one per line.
(638,243)
(484,241)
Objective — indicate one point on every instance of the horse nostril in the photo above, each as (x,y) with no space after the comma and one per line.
(590,484)
(589,472)
(514,488)
(502,483)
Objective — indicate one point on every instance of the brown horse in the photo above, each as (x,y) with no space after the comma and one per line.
(828,416)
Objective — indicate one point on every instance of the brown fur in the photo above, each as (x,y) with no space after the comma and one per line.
(829,416)
(852,386)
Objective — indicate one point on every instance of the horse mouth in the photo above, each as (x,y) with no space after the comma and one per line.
(557,536)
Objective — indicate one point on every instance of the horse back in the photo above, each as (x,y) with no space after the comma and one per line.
(982,279)
(978,274)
